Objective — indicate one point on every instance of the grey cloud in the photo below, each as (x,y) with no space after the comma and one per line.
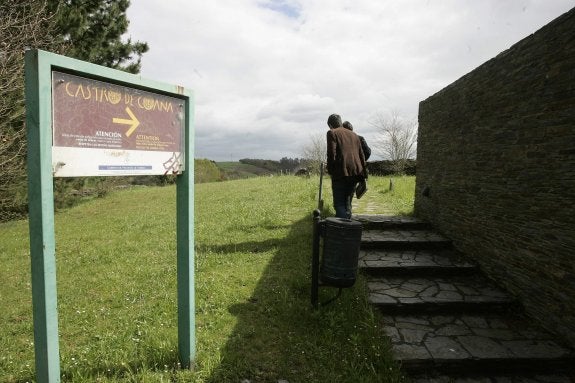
(267,81)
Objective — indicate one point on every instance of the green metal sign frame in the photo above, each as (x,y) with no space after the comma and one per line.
(39,66)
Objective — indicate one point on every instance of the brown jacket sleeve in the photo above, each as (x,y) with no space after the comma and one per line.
(331,152)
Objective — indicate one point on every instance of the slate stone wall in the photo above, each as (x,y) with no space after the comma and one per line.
(496,170)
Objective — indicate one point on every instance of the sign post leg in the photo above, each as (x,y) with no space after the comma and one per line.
(41,222)
(315,259)
(186,299)
(185,249)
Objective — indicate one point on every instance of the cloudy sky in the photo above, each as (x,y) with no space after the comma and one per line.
(267,73)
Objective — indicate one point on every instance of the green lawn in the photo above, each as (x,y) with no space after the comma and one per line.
(116,270)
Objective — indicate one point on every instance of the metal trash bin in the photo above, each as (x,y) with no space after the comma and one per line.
(341,242)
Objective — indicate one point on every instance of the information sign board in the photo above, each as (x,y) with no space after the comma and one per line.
(87,120)
(102,129)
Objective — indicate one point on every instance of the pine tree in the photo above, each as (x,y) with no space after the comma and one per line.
(90,30)
(93,31)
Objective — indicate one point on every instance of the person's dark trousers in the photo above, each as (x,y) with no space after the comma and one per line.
(343,189)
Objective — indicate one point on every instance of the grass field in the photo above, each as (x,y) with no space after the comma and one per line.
(116,270)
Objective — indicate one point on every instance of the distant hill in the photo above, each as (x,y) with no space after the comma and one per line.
(236,170)
(211,171)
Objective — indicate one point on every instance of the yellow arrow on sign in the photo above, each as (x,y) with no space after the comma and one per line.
(133,121)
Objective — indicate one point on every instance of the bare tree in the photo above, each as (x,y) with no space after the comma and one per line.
(315,152)
(397,138)
(23,24)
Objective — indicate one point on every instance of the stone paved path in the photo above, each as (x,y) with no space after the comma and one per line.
(419,294)
(405,238)
(388,262)
(536,378)
(487,338)
(368,206)
(446,321)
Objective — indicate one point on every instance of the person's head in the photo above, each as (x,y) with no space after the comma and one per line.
(334,121)
(348,125)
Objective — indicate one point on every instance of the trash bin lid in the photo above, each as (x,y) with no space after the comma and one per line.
(342,222)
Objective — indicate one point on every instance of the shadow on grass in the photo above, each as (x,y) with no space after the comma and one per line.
(278,336)
(261,344)
(244,247)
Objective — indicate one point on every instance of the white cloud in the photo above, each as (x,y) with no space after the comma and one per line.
(267,73)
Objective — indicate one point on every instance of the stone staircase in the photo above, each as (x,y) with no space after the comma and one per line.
(448,322)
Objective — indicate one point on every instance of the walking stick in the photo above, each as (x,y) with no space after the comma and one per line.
(319,198)
(316,243)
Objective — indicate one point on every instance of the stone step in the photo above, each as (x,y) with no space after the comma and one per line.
(397,295)
(403,239)
(475,344)
(391,222)
(515,377)
(415,263)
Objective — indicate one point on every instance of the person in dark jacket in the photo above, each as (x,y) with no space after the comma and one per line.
(364,146)
(345,164)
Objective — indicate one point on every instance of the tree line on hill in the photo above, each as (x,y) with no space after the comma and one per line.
(284,165)
(291,165)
